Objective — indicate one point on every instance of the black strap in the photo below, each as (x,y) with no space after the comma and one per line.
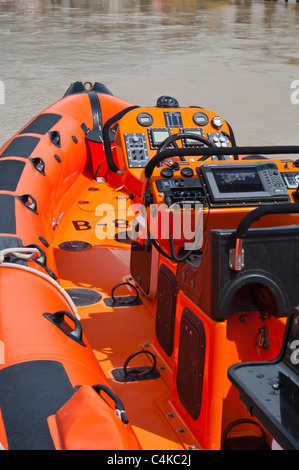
(106,137)
(96,109)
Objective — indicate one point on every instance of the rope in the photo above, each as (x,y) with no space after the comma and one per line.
(44,276)
(21,253)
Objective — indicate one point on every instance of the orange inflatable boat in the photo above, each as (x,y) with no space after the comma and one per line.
(147,265)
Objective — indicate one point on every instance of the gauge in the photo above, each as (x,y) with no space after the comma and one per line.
(166,173)
(217,122)
(201,119)
(157,136)
(145,119)
(193,142)
(187,172)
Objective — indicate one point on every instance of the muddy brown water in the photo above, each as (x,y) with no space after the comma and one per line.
(239,58)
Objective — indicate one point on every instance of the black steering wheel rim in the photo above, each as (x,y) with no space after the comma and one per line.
(158,158)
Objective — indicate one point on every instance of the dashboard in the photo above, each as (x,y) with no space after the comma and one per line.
(142,131)
(225,187)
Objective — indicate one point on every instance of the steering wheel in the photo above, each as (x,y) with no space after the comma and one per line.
(162,153)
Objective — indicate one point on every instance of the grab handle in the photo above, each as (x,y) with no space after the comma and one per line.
(38,164)
(42,260)
(119,407)
(28,201)
(236,256)
(257,214)
(57,318)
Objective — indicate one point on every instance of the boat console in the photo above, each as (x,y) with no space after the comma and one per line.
(160,201)
(179,160)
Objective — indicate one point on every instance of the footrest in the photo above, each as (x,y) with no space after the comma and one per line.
(123,301)
(134,374)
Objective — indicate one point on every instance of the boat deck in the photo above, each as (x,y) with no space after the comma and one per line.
(114,333)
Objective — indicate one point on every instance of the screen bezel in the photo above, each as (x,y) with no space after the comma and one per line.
(151,133)
(239,198)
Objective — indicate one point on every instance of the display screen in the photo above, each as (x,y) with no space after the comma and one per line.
(237,180)
(159,135)
(193,141)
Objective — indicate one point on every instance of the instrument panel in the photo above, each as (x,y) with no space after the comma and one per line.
(213,183)
(143,131)
(229,184)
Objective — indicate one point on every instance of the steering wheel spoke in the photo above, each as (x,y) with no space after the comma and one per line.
(162,150)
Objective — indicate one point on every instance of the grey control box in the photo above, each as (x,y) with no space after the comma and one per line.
(137,151)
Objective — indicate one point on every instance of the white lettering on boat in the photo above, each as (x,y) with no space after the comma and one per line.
(2,92)
(295,93)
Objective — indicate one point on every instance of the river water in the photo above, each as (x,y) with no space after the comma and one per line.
(239,58)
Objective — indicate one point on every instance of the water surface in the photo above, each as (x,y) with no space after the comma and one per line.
(236,57)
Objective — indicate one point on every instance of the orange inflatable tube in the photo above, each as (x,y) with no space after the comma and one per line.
(53,390)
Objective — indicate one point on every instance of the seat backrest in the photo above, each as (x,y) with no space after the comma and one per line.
(268,282)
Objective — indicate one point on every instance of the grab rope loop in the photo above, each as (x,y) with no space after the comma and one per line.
(21,253)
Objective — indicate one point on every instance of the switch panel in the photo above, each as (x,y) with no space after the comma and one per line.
(136,150)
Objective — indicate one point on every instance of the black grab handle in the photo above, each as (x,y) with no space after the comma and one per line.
(207,152)
(28,201)
(119,407)
(57,318)
(268,209)
(236,261)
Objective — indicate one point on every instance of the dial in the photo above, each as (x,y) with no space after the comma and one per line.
(201,119)
(145,119)
(187,172)
(217,122)
(166,173)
